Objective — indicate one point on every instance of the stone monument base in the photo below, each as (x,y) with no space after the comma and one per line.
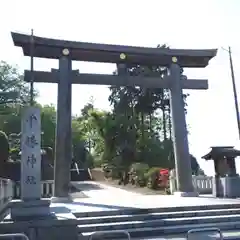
(61,199)
(232,184)
(29,209)
(186,194)
(226,187)
(43,229)
(58,230)
(39,221)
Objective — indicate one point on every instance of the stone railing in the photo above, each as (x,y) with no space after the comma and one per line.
(202,184)
(6,193)
(46,188)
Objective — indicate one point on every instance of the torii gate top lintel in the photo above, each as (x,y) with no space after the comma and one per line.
(95,52)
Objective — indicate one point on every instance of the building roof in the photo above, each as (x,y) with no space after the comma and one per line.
(218,153)
(95,52)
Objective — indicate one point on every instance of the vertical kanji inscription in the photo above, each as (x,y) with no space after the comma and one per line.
(31,154)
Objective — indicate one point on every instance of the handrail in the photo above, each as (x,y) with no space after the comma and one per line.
(102,233)
(199,230)
(13,235)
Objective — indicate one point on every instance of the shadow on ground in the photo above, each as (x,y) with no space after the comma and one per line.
(76,193)
(83,186)
(76,189)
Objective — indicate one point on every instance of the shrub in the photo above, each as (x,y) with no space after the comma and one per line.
(139,167)
(141,181)
(14,154)
(110,171)
(107,170)
(153,175)
(137,174)
(152,172)
(14,151)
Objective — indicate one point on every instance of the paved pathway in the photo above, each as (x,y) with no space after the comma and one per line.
(102,197)
(99,190)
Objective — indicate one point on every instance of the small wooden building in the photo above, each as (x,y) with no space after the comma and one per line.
(226,181)
(224,160)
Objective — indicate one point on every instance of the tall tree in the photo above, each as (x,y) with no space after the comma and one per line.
(146,111)
(14,94)
(48,124)
(12,87)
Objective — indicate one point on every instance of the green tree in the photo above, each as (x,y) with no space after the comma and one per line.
(194,165)
(4,153)
(12,87)
(137,125)
(14,94)
(48,124)
(141,120)
(10,121)
(4,148)
(85,137)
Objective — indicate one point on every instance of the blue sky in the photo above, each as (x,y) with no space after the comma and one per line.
(179,24)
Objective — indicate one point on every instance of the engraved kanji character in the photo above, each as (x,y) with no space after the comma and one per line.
(31,141)
(30,180)
(31,160)
(32,118)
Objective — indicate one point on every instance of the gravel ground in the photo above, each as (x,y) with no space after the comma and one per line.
(132,188)
(98,175)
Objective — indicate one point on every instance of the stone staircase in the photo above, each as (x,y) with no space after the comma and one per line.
(156,222)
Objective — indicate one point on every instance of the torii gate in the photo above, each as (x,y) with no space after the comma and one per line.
(67,51)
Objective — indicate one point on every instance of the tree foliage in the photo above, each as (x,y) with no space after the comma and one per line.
(136,130)
(4,147)
(12,87)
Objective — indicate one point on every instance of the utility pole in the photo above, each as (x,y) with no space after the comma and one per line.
(234,90)
(31,67)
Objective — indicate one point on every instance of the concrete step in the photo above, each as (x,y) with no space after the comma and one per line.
(135,211)
(154,216)
(156,223)
(150,232)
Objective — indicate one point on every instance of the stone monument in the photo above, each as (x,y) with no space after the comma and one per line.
(33,215)
(31,203)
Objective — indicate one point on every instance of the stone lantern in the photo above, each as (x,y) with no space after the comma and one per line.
(226,181)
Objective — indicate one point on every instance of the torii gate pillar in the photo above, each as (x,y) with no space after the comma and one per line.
(180,138)
(63,143)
